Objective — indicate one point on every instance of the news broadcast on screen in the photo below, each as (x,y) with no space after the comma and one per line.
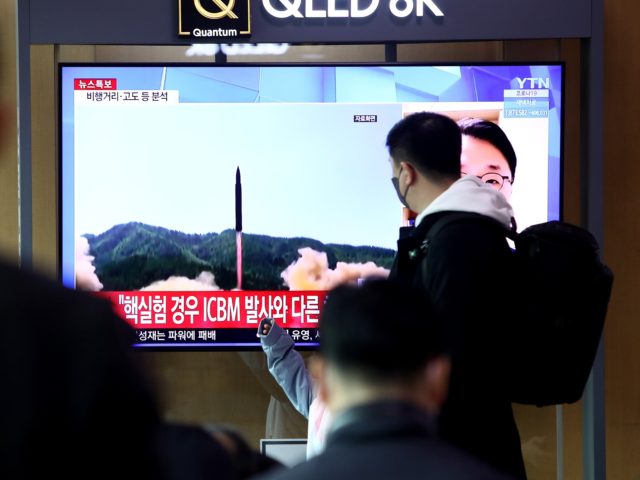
(201,199)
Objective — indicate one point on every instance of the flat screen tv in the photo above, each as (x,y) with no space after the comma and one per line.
(200,199)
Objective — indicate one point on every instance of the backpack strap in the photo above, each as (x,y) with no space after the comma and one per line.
(455,217)
(421,250)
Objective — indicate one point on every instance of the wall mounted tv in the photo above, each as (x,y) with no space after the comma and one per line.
(200,199)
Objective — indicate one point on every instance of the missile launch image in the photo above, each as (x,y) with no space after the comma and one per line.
(176,218)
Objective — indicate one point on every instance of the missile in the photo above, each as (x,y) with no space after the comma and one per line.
(238,229)
(238,201)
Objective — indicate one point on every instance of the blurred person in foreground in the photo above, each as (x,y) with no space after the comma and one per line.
(382,376)
(76,403)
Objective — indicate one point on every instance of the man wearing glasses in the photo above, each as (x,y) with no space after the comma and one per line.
(488,154)
(464,268)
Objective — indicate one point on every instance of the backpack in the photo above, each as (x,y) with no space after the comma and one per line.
(562,292)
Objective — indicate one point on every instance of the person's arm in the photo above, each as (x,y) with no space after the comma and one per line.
(287,366)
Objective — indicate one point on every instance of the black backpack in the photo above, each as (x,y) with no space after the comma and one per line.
(562,293)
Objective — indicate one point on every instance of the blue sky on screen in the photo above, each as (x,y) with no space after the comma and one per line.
(175,167)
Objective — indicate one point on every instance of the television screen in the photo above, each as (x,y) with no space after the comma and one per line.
(200,199)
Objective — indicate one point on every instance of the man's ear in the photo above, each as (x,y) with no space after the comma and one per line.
(437,374)
(409,173)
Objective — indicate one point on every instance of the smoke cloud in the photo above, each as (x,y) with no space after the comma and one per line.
(311,272)
(86,278)
(204,281)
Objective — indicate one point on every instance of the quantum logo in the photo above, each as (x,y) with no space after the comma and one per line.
(214,18)
(225,10)
(398,8)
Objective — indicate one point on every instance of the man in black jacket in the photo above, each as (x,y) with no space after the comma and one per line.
(382,377)
(463,267)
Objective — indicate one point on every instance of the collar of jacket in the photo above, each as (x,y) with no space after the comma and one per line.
(413,240)
(381,419)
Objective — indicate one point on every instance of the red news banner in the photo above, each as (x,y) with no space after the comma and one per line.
(95,84)
(217,309)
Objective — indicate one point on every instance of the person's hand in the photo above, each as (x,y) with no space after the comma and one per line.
(265,326)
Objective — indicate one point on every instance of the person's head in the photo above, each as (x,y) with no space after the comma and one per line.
(425,154)
(244,461)
(487,153)
(380,341)
(76,402)
(73,386)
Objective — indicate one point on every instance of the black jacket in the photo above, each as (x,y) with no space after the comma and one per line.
(387,440)
(465,271)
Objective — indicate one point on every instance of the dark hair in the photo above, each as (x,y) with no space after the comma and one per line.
(492,133)
(380,331)
(75,386)
(429,141)
(244,461)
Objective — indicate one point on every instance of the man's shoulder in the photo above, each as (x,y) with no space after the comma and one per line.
(307,470)
(403,459)
(460,221)
(463,230)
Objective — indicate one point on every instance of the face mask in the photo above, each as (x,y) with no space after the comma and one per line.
(396,185)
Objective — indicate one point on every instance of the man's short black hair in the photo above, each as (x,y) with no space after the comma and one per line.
(492,133)
(379,331)
(429,141)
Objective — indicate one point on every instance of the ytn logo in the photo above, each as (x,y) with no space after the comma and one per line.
(532,82)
